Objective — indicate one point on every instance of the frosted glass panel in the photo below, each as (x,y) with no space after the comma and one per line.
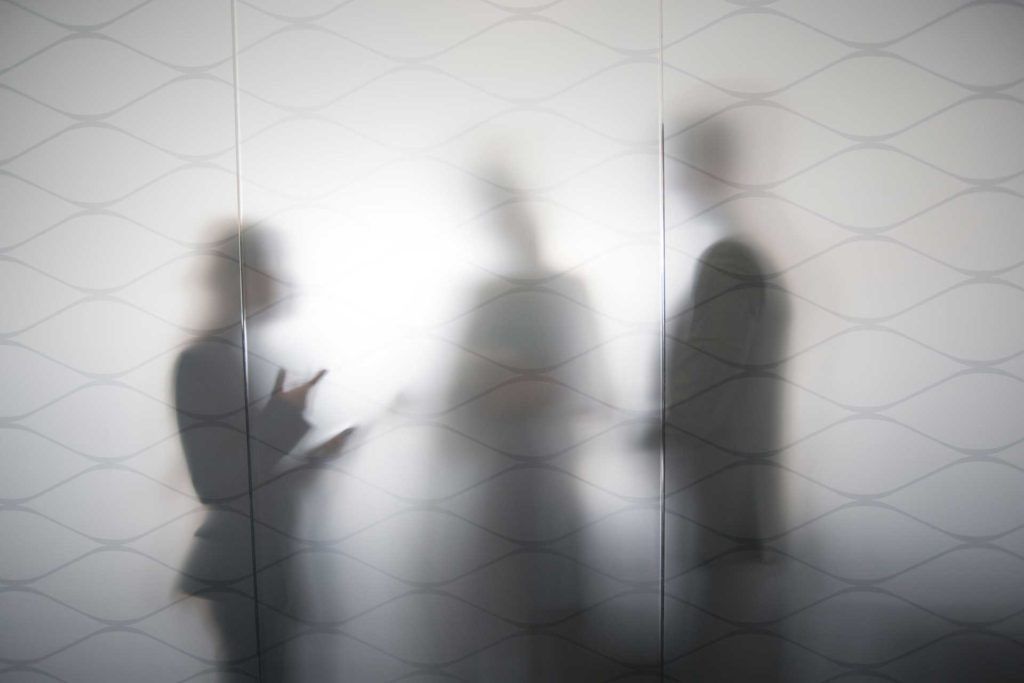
(843,193)
(124,519)
(616,340)
(453,209)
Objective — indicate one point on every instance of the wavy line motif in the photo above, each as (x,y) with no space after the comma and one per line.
(413,506)
(845,592)
(975,274)
(103,210)
(581,266)
(848,227)
(765,9)
(739,106)
(869,410)
(853,583)
(862,324)
(874,146)
(314,627)
(103,24)
(851,665)
(104,463)
(846,506)
(98,118)
(105,294)
(107,39)
(873,320)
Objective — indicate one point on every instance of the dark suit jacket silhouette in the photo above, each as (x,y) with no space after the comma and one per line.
(723,418)
(209,395)
(529,327)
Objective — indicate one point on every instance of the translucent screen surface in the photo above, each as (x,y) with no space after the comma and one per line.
(511,340)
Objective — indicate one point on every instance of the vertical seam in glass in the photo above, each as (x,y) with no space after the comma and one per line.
(662,341)
(245,340)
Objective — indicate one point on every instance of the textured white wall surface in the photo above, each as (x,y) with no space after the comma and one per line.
(547,251)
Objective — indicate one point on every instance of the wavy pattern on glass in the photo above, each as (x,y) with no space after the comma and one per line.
(844,485)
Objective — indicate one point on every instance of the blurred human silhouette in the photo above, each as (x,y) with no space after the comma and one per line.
(530,320)
(209,398)
(210,392)
(723,427)
(726,411)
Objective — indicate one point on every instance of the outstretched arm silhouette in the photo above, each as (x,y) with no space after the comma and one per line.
(282,424)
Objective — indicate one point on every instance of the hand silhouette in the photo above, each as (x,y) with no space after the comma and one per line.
(281,422)
(295,400)
(298,396)
(332,447)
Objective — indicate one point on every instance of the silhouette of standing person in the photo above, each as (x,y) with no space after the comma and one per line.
(529,320)
(723,427)
(210,394)
(209,388)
